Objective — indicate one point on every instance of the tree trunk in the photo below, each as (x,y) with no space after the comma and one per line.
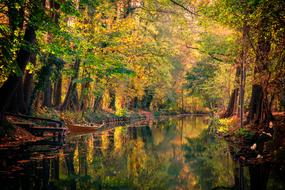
(71,99)
(57,92)
(9,88)
(133,104)
(260,106)
(84,96)
(243,59)
(47,94)
(42,84)
(255,105)
(38,100)
(147,99)
(233,102)
(112,99)
(136,103)
(232,106)
(51,59)
(260,110)
(98,102)
(28,82)
(17,103)
(282,100)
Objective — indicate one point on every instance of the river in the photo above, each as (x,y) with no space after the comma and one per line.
(173,153)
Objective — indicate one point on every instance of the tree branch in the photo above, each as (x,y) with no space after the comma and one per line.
(183,7)
(210,54)
(159,10)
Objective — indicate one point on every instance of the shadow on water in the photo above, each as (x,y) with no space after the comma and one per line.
(176,153)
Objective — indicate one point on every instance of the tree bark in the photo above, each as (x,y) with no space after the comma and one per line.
(9,88)
(98,102)
(42,84)
(47,93)
(282,100)
(147,99)
(57,92)
(28,82)
(84,96)
(233,102)
(71,99)
(112,99)
(232,106)
(260,110)
(255,103)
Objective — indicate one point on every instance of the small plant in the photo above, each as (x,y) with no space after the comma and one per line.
(226,123)
(122,112)
(222,125)
(245,133)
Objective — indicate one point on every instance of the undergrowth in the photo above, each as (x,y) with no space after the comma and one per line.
(224,125)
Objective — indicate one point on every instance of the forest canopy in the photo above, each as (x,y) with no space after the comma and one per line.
(128,55)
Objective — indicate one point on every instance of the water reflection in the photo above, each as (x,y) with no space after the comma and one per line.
(176,153)
(209,161)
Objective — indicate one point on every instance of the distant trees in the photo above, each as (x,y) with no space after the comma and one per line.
(210,77)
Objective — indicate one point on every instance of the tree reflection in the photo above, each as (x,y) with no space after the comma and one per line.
(128,161)
(143,158)
(210,161)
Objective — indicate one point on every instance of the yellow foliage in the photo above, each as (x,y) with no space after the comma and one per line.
(118,139)
(76,159)
(227,123)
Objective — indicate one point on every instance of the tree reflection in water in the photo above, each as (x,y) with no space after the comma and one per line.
(176,153)
(211,161)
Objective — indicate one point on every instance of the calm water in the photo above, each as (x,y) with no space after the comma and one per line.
(176,153)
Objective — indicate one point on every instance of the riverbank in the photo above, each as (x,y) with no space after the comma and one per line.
(252,145)
(12,135)
(97,118)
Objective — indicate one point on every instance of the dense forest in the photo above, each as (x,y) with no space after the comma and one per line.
(128,55)
(90,55)
(142,94)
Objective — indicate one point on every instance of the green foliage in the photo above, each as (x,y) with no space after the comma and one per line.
(246,133)
(198,83)
(198,76)
(210,78)
(129,49)
(122,112)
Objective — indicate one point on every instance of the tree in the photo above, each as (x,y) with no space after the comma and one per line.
(260,27)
